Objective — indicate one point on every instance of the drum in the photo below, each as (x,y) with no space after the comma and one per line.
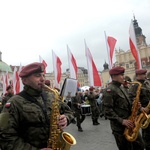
(85,109)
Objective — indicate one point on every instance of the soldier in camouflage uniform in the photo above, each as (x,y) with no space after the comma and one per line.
(77,101)
(144,99)
(8,95)
(117,108)
(92,97)
(25,119)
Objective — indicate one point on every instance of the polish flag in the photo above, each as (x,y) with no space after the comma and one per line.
(133,45)
(44,62)
(93,75)
(72,64)
(14,80)
(18,86)
(21,84)
(57,69)
(110,44)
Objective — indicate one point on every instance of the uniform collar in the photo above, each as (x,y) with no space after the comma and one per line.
(116,83)
(141,81)
(31,91)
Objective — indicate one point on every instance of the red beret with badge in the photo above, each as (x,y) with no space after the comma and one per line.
(116,70)
(31,69)
(140,71)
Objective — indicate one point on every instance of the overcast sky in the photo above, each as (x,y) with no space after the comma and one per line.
(29,28)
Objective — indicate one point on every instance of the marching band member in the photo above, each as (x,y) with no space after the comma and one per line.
(144,99)
(117,108)
(92,97)
(77,101)
(25,118)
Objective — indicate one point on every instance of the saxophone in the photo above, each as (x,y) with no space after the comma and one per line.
(132,134)
(146,122)
(58,140)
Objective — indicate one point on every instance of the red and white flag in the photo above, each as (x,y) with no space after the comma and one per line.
(133,45)
(43,61)
(94,77)
(17,83)
(21,84)
(72,64)
(110,44)
(57,69)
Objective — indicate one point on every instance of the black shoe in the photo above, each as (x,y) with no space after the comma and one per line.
(96,123)
(101,115)
(80,129)
(73,121)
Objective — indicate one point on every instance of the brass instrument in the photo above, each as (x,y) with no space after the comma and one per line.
(146,122)
(132,134)
(58,140)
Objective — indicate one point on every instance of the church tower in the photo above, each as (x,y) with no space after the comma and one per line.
(141,39)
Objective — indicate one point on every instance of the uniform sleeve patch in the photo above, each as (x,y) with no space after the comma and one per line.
(7,105)
(108,90)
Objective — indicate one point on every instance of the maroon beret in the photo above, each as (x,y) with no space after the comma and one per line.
(47,82)
(140,71)
(32,68)
(91,88)
(116,70)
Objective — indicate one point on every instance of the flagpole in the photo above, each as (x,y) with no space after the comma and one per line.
(110,66)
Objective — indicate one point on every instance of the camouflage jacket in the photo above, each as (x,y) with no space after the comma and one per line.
(144,92)
(116,105)
(93,99)
(25,123)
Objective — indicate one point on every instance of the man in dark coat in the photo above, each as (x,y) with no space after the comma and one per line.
(117,108)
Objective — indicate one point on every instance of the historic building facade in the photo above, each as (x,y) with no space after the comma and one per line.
(123,58)
(126,59)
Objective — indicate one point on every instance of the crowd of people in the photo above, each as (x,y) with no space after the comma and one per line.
(25,117)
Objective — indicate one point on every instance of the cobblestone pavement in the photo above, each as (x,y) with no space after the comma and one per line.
(93,137)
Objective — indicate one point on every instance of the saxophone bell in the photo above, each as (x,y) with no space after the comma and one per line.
(69,140)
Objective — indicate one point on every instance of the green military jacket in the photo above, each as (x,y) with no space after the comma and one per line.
(25,124)
(144,97)
(116,105)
